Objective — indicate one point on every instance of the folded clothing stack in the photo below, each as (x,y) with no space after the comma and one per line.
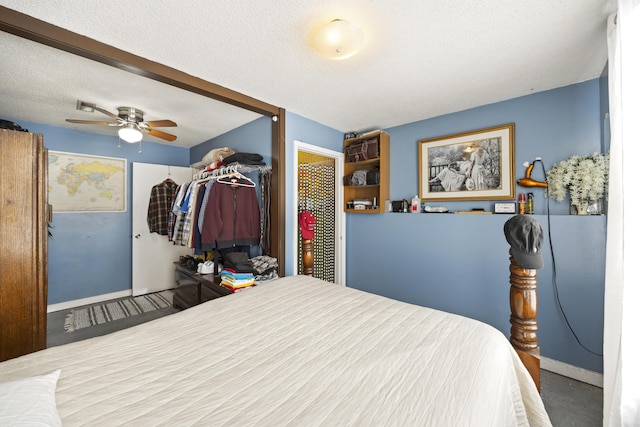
(238,262)
(264,267)
(237,272)
(240,272)
(217,155)
(235,281)
(244,158)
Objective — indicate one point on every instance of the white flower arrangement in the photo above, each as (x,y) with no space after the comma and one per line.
(584,177)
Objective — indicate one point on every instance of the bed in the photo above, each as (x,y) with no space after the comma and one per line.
(295,351)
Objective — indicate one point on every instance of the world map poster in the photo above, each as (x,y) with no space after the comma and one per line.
(84,183)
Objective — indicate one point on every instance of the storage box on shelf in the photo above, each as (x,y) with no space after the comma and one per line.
(363,156)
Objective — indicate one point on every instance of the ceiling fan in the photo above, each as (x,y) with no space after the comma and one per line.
(131,123)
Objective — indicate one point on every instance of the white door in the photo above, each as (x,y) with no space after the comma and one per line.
(152,254)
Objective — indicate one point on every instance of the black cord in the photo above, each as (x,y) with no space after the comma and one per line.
(553,271)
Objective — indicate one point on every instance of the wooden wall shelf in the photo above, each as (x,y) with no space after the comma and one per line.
(379,192)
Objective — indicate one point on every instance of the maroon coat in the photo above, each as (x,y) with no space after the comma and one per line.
(231,217)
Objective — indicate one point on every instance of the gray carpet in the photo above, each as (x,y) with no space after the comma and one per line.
(56,334)
(570,403)
(97,314)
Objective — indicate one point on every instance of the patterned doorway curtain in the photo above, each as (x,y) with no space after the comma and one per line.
(316,193)
(265,214)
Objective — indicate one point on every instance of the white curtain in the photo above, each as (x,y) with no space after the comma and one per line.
(622,289)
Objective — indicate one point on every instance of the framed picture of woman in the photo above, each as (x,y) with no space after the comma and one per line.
(476,165)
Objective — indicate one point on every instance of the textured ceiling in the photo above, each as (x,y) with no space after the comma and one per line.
(423,58)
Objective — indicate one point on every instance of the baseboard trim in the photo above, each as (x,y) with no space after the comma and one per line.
(86,301)
(570,371)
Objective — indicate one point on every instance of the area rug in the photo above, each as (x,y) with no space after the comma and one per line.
(107,312)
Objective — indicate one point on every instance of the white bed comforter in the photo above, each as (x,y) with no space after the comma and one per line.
(298,352)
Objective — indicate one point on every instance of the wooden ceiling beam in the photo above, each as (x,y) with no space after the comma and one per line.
(48,34)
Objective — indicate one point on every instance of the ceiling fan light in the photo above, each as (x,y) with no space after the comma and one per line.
(130,134)
(338,39)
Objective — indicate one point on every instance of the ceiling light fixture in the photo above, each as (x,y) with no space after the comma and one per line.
(130,133)
(338,40)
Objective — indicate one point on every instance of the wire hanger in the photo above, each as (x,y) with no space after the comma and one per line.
(235,179)
(169,178)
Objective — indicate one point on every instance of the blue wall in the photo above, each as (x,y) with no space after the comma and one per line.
(553,125)
(459,263)
(90,253)
(254,137)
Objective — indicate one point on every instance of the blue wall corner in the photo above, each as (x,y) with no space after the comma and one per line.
(459,263)
(254,137)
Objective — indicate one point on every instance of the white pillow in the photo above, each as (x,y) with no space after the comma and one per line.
(30,401)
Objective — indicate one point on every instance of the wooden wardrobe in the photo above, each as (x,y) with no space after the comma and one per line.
(24,215)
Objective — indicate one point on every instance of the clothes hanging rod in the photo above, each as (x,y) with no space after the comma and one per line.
(237,167)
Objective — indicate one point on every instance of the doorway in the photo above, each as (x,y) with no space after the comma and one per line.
(318,189)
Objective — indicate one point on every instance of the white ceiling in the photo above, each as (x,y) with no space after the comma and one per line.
(423,58)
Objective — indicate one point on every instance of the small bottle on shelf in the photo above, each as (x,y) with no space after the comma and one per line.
(529,209)
(415,205)
(522,203)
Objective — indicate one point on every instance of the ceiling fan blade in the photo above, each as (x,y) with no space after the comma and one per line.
(161,123)
(92,122)
(160,134)
(108,113)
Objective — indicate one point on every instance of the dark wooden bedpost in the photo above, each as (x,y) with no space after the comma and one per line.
(307,257)
(523,299)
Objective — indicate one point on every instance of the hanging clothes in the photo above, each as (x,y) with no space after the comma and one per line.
(191,230)
(188,214)
(197,236)
(172,216)
(241,221)
(232,216)
(160,202)
(205,202)
(178,226)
